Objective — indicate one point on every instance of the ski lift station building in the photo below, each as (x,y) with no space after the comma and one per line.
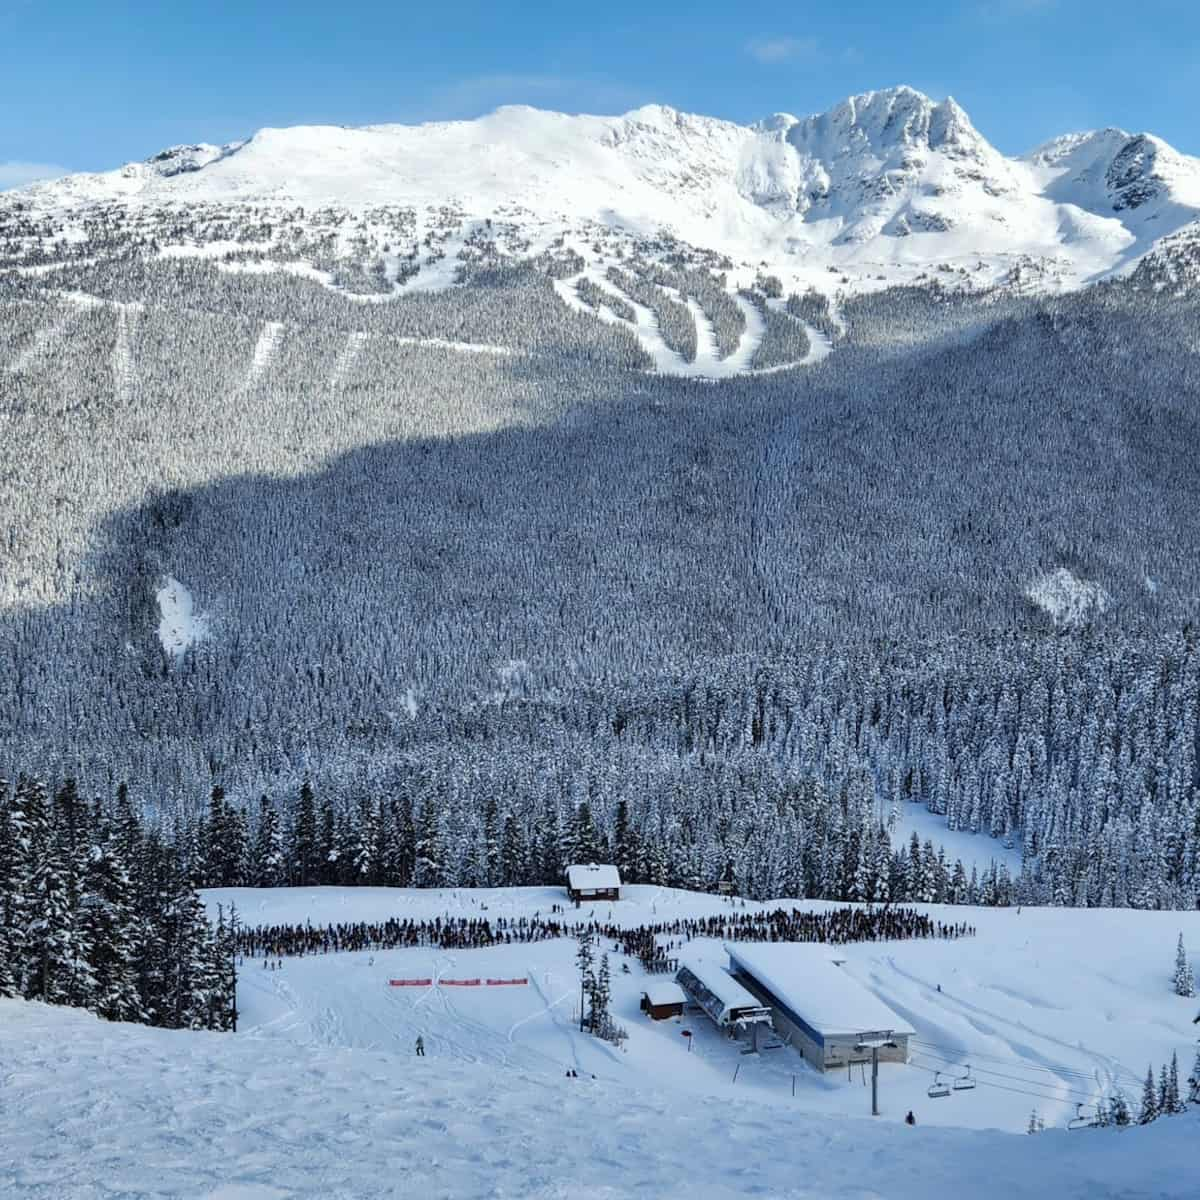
(592,881)
(729,1005)
(816,1006)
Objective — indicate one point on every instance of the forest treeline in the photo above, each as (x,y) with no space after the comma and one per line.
(761,619)
(97,912)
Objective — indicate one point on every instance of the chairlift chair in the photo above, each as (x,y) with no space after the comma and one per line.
(938,1088)
(1079,1121)
(964,1083)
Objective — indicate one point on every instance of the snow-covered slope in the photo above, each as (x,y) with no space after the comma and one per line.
(320,1093)
(889,187)
(98,1110)
(1050,1008)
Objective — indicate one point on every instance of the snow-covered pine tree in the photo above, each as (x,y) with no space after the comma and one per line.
(9,863)
(1149,1109)
(584,960)
(585,845)
(327,845)
(55,962)
(303,853)
(513,854)
(428,870)
(1193,1080)
(1118,1109)
(266,855)
(113,934)
(626,852)
(1185,980)
(602,999)
(1173,1102)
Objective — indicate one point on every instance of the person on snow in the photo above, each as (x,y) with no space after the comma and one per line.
(420,1046)
(910,1119)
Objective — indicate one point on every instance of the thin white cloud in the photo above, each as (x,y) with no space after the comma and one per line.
(782,49)
(18,174)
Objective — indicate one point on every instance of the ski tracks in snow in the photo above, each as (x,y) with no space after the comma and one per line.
(1016,1036)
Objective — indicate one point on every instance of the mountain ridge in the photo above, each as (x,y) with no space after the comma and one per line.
(885,187)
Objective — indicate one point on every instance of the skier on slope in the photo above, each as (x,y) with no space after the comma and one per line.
(420,1046)
(910,1119)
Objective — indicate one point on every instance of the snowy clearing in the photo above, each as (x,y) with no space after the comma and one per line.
(180,625)
(265,349)
(350,354)
(103,1110)
(1050,1008)
(128,316)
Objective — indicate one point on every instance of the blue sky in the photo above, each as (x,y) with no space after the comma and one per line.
(88,86)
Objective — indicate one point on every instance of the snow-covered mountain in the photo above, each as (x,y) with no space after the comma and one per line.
(888,186)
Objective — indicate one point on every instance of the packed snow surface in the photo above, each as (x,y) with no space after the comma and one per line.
(95,1111)
(1049,1008)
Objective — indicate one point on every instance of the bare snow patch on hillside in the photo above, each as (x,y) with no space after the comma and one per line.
(349,356)
(708,363)
(265,350)
(1069,601)
(180,626)
(122,353)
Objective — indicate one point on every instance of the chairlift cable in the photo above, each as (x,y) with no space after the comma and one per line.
(1001,1087)
(1001,1074)
(1005,1088)
(1052,1070)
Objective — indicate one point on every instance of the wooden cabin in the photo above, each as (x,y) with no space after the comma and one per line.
(593,882)
(662,999)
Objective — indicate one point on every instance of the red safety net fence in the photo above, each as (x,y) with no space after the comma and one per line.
(459,982)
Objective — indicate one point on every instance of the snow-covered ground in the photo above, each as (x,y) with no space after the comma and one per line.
(179,625)
(94,1110)
(1048,1007)
(321,1095)
(975,850)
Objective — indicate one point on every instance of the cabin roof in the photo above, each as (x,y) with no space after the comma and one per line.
(807,980)
(592,877)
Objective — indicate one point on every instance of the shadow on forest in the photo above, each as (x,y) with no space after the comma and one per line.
(649,524)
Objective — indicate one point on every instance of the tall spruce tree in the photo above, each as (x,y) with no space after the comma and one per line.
(305,855)
(1149,1109)
(266,856)
(10,863)
(113,932)
(1185,980)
